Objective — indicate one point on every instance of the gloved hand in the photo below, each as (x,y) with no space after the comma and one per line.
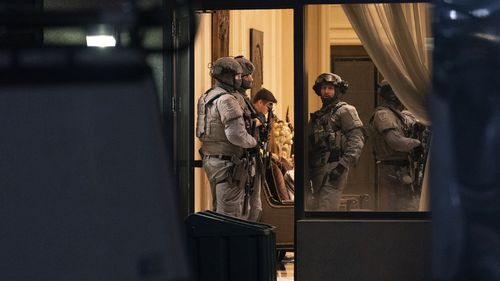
(261,117)
(336,173)
(254,150)
(419,127)
(418,151)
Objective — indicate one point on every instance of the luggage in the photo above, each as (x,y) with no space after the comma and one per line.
(224,248)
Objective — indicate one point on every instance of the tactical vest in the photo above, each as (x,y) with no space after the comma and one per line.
(396,121)
(327,140)
(248,112)
(209,127)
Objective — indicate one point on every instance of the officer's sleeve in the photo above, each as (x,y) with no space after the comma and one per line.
(231,115)
(384,120)
(352,128)
(385,123)
(398,142)
(409,117)
(355,140)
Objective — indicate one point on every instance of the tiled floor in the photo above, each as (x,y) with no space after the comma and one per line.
(286,272)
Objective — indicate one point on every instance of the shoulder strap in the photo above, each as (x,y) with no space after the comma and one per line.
(399,115)
(213,94)
(208,97)
(373,115)
(250,105)
(336,107)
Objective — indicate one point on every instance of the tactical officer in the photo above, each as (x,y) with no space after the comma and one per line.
(253,203)
(336,140)
(221,128)
(390,126)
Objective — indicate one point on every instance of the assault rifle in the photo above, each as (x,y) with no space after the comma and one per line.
(419,157)
(264,136)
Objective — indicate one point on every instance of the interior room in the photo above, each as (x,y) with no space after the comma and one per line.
(319,165)
(331,45)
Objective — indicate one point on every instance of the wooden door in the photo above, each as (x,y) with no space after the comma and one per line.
(355,66)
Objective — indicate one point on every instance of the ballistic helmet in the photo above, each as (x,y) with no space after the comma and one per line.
(248,69)
(246,65)
(385,91)
(330,78)
(225,69)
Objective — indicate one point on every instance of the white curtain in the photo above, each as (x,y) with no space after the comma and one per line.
(395,36)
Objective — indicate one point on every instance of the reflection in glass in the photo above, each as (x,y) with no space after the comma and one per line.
(400,149)
(336,139)
(365,44)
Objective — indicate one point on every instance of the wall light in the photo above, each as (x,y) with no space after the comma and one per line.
(101,41)
(101,35)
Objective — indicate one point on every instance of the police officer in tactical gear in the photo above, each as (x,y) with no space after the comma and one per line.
(221,128)
(336,140)
(246,76)
(390,125)
(252,201)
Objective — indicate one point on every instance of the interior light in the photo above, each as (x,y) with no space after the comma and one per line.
(101,41)
(453,14)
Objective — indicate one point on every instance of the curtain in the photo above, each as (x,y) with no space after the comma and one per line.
(395,37)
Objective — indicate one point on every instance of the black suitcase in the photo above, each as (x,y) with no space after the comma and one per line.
(224,248)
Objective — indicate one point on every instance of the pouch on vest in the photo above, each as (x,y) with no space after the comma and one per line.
(208,98)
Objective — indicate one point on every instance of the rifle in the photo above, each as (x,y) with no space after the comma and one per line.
(419,160)
(251,155)
(264,136)
(254,155)
(287,119)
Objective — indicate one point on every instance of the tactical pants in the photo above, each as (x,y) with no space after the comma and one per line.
(254,206)
(255,203)
(227,196)
(326,193)
(394,194)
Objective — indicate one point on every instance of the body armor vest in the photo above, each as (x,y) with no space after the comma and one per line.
(209,127)
(395,120)
(327,139)
(248,113)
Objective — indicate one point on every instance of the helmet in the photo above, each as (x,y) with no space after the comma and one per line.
(224,70)
(384,89)
(326,78)
(248,67)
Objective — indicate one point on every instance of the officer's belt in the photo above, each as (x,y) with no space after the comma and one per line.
(395,162)
(221,157)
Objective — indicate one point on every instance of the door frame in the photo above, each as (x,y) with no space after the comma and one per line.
(300,101)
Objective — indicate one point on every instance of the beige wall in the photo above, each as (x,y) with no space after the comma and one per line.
(341,32)
(317,50)
(202,82)
(277,26)
(326,25)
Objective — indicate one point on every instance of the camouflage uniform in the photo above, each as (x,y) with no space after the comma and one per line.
(221,129)
(337,138)
(390,127)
